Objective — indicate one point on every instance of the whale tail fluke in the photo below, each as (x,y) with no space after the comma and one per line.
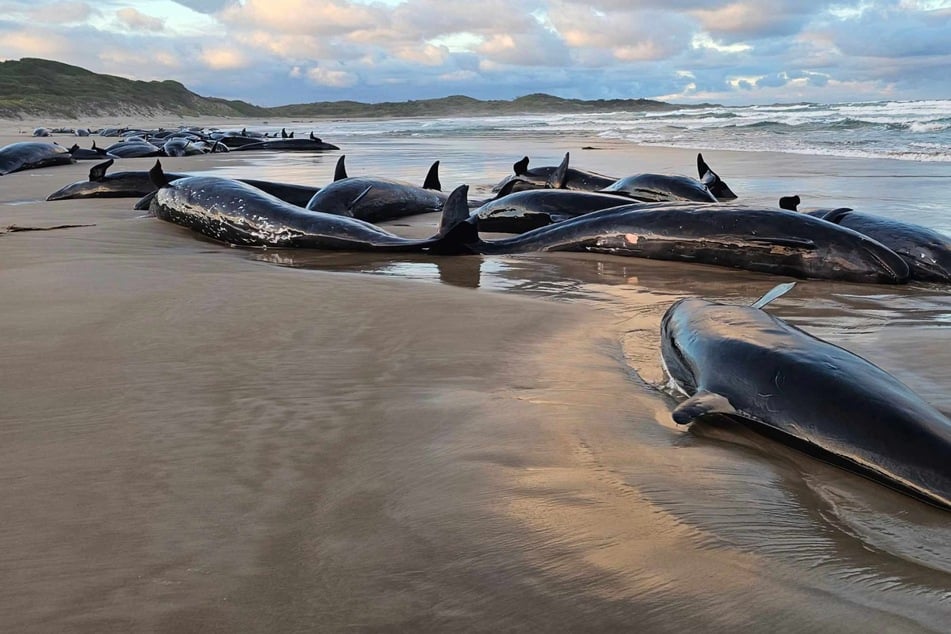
(157,175)
(432,178)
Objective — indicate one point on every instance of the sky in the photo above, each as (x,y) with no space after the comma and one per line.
(274,52)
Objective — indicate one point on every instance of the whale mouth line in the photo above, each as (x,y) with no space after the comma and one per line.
(888,268)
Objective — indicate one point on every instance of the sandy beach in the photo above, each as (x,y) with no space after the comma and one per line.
(199,438)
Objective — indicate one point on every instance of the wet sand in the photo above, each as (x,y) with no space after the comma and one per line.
(197,438)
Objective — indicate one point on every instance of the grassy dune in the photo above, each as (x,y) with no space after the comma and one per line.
(32,88)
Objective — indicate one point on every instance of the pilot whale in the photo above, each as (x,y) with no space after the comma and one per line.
(737,236)
(135,184)
(27,155)
(742,362)
(927,252)
(237,213)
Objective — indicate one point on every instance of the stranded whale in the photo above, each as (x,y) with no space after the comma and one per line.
(744,363)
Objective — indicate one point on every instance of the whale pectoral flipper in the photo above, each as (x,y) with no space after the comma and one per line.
(700,404)
(777,291)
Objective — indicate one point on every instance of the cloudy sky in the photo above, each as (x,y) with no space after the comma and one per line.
(272,52)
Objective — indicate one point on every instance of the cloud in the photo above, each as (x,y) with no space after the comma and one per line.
(137,20)
(224,58)
(726,50)
(62,12)
(331,77)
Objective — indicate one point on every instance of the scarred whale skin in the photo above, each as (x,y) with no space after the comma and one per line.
(744,363)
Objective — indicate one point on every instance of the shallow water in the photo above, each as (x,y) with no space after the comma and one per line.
(198,437)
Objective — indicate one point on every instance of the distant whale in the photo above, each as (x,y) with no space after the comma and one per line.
(741,362)
(135,184)
(27,155)
(289,144)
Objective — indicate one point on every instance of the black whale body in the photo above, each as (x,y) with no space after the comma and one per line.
(135,184)
(553,176)
(737,236)
(660,188)
(744,363)
(529,209)
(927,252)
(236,213)
(27,155)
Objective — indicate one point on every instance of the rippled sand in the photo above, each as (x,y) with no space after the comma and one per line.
(200,438)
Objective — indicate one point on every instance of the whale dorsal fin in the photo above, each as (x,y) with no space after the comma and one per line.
(432,178)
(98,172)
(340,172)
(456,234)
(701,404)
(508,187)
(353,203)
(521,167)
(559,177)
(836,215)
(158,177)
(790,203)
(455,209)
(702,167)
(777,291)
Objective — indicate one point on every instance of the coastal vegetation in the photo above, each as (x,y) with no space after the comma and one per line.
(31,88)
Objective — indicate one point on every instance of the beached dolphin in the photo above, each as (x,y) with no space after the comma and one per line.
(736,236)
(927,252)
(708,177)
(135,184)
(522,211)
(742,362)
(555,177)
(27,155)
(236,213)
